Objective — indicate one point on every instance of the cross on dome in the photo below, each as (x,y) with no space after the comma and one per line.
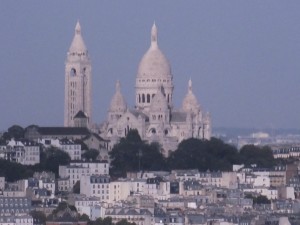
(78,28)
(154,35)
(190,85)
(118,86)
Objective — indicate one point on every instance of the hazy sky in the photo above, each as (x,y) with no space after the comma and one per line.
(243,56)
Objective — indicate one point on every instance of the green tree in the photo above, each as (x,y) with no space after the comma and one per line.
(84,217)
(84,147)
(261,156)
(76,187)
(53,158)
(132,154)
(124,222)
(38,216)
(90,154)
(13,171)
(15,132)
(261,199)
(105,221)
(199,154)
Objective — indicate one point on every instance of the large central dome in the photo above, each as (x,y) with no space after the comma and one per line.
(154,63)
(154,70)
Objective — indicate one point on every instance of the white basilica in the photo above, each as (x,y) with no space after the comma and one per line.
(154,115)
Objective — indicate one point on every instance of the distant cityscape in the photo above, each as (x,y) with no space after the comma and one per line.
(63,175)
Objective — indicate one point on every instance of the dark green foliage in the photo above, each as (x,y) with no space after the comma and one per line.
(124,222)
(15,132)
(261,156)
(100,221)
(38,216)
(133,136)
(51,159)
(90,154)
(76,187)
(14,171)
(83,145)
(108,221)
(62,206)
(84,217)
(261,199)
(132,154)
(203,155)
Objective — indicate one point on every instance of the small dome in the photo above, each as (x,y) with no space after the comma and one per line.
(154,63)
(118,103)
(78,45)
(159,102)
(190,102)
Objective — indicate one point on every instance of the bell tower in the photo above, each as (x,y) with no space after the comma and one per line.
(78,81)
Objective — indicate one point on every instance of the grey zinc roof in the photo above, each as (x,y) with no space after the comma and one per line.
(138,113)
(177,116)
(63,131)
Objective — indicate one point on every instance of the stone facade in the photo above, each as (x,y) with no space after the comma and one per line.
(154,115)
(78,82)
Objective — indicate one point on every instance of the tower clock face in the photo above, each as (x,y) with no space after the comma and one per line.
(73,72)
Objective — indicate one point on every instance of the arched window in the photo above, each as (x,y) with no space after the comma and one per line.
(143,98)
(139,98)
(148,98)
(73,72)
(168,98)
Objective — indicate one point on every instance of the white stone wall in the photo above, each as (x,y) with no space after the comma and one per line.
(78,80)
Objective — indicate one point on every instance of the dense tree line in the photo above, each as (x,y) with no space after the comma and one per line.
(132,154)
(260,199)
(49,161)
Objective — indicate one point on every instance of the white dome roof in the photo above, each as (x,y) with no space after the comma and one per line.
(190,102)
(159,102)
(78,45)
(118,103)
(154,63)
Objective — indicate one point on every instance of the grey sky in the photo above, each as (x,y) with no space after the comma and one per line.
(243,56)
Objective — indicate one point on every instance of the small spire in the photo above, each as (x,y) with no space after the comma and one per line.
(77,45)
(77,28)
(190,85)
(118,86)
(154,35)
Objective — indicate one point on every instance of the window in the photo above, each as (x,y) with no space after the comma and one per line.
(148,98)
(73,72)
